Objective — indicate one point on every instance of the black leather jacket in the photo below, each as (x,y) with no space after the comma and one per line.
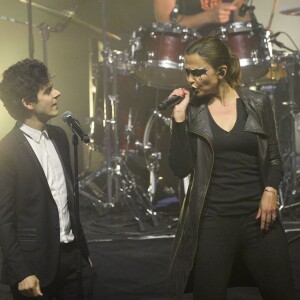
(192,153)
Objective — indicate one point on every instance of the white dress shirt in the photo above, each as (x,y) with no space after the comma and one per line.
(49,159)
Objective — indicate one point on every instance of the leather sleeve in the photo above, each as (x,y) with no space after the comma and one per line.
(181,154)
(274,162)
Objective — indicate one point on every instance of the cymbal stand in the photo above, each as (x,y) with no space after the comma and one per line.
(45,30)
(125,184)
(107,122)
(121,185)
(107,114)
(128,132)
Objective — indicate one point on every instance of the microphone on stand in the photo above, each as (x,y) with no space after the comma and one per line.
(70,119)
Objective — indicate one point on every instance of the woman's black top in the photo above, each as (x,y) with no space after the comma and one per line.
(235,185)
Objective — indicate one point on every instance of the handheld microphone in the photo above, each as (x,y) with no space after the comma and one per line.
(70,119)
(170,101)
(243,9)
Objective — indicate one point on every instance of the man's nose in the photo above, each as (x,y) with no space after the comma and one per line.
(56,93)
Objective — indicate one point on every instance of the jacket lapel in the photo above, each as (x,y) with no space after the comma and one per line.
(199,118)
(253,124)
(24,144)
(199,121)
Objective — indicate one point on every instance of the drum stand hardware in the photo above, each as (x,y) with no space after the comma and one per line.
(44,29)
(152,162)
(152,157)
(289,190)
(121,185)
(125,190)
(124,187)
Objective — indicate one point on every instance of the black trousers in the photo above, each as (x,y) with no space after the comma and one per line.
(65,285)
(223,238)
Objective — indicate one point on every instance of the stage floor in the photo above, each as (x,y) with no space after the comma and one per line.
(132,264)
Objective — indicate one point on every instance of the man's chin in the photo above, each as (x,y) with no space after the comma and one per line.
(45,119)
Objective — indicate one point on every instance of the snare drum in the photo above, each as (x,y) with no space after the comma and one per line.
(251,43)
(158,53)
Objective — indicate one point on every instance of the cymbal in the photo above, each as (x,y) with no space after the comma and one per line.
(70,15)
(291,12)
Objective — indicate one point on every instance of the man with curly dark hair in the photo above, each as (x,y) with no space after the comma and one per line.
(36,201)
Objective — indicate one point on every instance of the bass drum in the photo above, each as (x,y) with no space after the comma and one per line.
(157,136)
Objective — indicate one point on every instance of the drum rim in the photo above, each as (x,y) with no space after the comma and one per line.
(165,64)
(170,28)
(155,115)
(236,27)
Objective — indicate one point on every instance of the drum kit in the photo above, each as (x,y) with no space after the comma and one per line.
(135,148)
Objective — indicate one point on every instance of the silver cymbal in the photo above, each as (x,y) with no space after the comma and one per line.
(291,12)
(71,15)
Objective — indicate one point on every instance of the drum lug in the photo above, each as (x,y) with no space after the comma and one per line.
(153,35)
(223,37)
(133,62)
(135,43)
(150,55)
(181,61)
(184,38)
(254,56)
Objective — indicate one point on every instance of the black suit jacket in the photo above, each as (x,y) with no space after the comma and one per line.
(29,221)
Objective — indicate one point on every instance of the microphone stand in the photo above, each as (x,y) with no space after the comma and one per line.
(77,219)
(30,31)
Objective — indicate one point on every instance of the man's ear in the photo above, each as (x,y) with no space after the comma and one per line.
(27,105)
